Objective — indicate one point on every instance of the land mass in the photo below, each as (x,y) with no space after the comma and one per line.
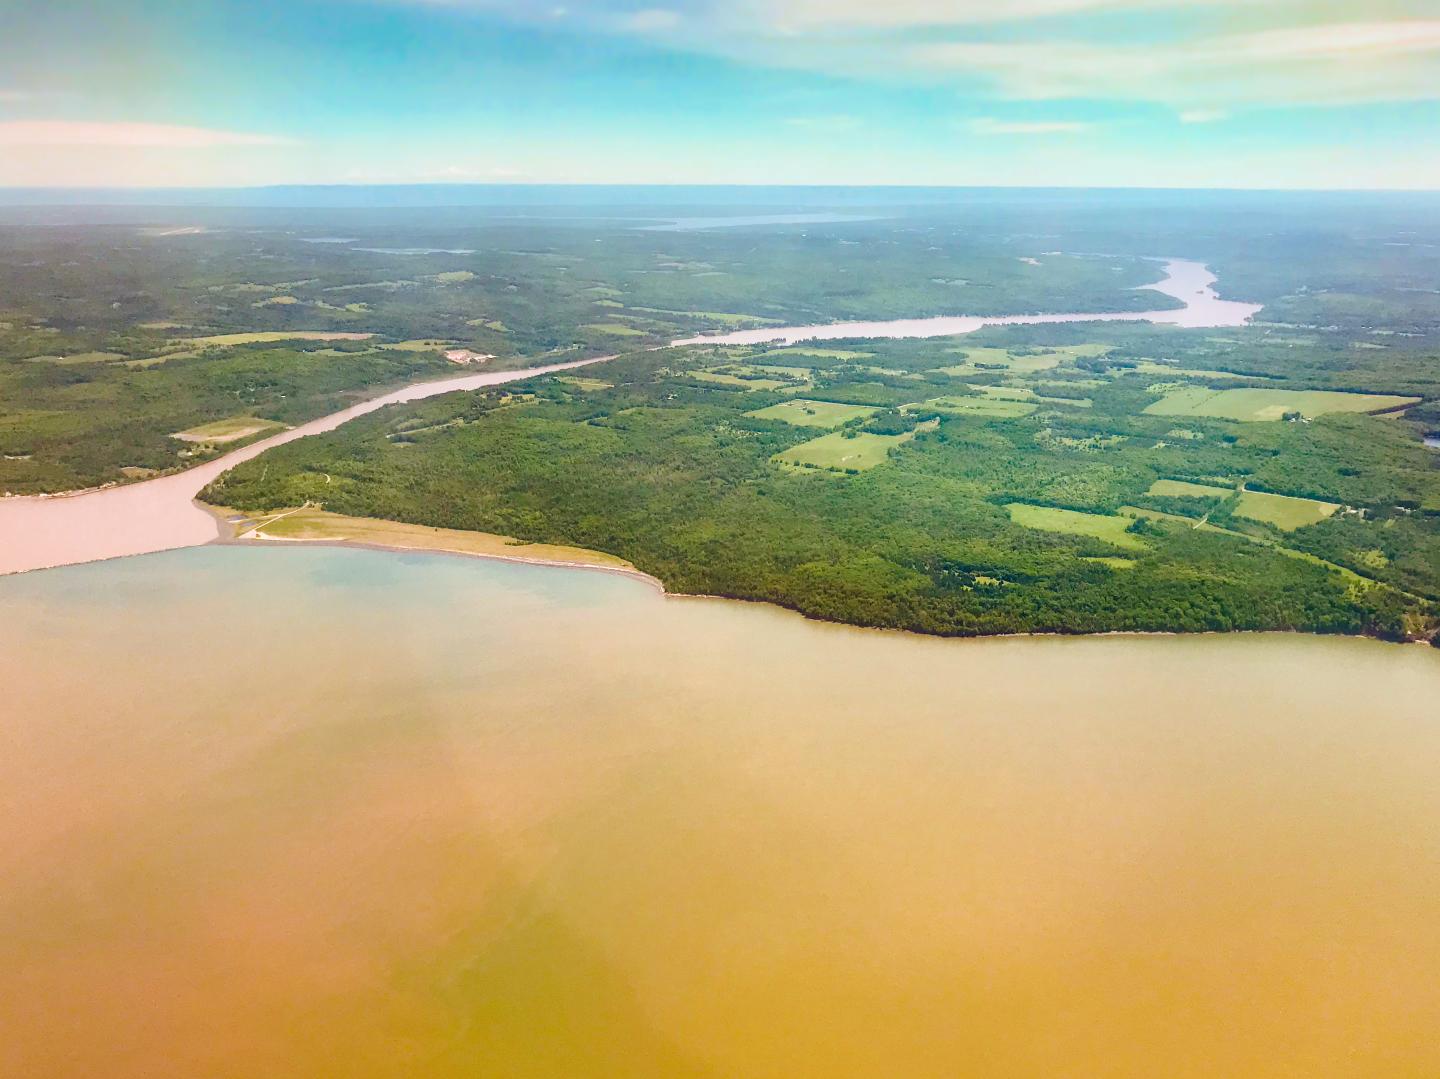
(1266,470)
(949,487)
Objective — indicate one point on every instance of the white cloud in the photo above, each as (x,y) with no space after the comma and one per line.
(8,97)
(84,133)
(988,125)
(1292,52)
(1203,116)
(795,15)
(1313,65)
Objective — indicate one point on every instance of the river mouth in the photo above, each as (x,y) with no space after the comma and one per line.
(338,812)
(161,514)
(44,532)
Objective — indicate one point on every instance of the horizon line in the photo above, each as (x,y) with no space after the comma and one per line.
(501,184)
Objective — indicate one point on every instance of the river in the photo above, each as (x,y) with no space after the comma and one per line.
(308,811)
(1189,282)
(41,532)
(161,514)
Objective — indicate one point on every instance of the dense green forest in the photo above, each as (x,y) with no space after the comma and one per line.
(113,338)
(695,481)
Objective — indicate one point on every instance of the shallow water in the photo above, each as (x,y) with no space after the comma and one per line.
(1189,282)
(306,812)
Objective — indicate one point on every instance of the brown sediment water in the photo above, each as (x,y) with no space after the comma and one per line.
(42,532)
(1190,282)
(303,812)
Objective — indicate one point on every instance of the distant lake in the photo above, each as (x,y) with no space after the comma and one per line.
(690,224)
(1433,441)
(418,250)
(317,812)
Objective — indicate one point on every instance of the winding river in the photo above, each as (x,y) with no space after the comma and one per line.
(1189,282)
(43,532)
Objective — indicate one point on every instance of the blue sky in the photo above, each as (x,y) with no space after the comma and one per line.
(1285,93)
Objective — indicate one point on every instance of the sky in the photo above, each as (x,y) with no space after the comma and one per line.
(1123,93)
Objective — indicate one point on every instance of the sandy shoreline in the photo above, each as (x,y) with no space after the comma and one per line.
(621,568)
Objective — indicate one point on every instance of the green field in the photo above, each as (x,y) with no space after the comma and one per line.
(194,346)
(78,357)
(1253,406)
(613,329)
(980,406)
(1102,526)
(1185,489)
(232,429)
(719,378)
(815,353)
(802,412)
(1282,511)
(582,383)
(1020,362)
(839,452)
(1150,367)
(427,344)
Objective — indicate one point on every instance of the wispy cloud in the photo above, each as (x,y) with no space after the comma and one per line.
(1294,52)
(8,97)
(825,14)
(988,125)
(1203,116)
(84,133)
(1310,65)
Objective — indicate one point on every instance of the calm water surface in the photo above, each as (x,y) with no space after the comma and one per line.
(1189,282)
(309,812)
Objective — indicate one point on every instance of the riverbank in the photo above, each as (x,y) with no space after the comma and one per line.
(160,514)
(311,526)
(1189,282)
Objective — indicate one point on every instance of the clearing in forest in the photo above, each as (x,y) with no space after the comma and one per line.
(983,405)
(721,378)
(841,452)
(1254,405)
(813,353)
(1282,511)
(1101,526)
(232,429)
(803,412)
(1186,489)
